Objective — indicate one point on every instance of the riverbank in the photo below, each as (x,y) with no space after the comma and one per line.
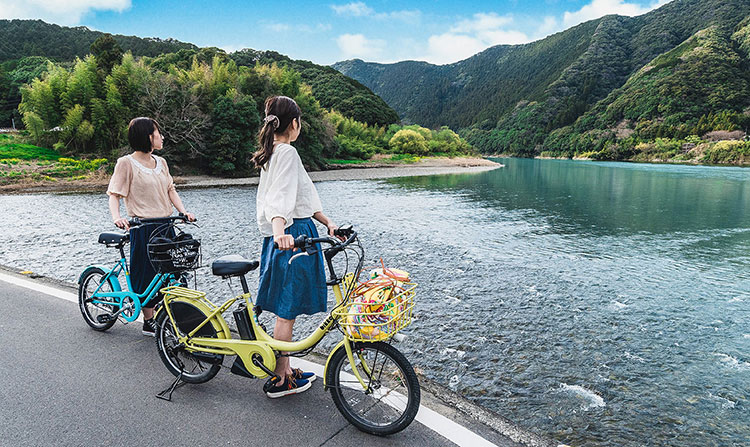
(363,171)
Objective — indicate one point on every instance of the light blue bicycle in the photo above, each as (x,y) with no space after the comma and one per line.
(100,296)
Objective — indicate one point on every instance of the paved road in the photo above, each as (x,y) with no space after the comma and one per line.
(64,384)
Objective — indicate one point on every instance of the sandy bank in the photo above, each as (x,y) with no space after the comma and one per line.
(429,166)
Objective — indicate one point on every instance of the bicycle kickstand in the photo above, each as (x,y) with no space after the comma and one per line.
(167,393)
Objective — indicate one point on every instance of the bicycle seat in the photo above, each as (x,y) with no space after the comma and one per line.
(113,238)
(232,265)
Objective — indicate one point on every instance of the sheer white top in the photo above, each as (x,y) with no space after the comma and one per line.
(285,190)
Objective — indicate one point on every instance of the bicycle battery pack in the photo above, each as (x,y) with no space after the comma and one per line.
(242,318)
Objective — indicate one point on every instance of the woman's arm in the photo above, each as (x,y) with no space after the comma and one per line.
(322,218)
(177,202)
(114,210)
(284,241)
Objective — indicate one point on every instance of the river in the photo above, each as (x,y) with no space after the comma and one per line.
(602,304)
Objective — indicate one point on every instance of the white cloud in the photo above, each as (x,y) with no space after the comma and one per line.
(482,22)
(277,27)
(548,26)
(599,8)
(358,46)
(450,47)
(63,12)
(304,28)
(356,9)
(470,36)
(360,9)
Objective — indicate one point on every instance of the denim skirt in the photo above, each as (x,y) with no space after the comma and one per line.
(289,290)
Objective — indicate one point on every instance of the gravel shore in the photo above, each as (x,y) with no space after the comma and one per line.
(429,166)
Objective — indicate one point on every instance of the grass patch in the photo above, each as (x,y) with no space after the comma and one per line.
(10,147)
(338,161)
(24,163)
(405,158)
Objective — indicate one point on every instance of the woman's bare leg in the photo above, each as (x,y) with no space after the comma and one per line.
(283,331)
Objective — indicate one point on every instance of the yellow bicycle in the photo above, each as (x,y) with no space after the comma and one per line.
(371,382)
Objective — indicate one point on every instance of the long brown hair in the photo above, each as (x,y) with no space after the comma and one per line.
(280,112)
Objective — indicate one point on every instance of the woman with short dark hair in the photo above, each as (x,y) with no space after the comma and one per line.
(143,181)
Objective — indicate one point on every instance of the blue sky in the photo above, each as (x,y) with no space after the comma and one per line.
(325,32)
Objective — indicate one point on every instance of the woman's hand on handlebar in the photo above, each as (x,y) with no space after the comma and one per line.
(122,223)
(190,217)
(284,241)
(332,231)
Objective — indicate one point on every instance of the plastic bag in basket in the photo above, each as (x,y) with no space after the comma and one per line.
(376,305)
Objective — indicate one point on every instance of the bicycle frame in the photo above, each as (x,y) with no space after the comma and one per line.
(119,296)
(264,345)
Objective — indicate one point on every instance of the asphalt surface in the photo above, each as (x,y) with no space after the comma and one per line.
(63,384)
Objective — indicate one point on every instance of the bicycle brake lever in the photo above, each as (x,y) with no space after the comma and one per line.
(304,253)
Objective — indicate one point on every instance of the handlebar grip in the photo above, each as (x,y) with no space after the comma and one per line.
(344,231)
(299,242)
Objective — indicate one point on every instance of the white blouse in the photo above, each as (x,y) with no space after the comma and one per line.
(285,190)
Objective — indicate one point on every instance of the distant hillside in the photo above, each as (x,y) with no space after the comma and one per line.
(21,38)
(662,72)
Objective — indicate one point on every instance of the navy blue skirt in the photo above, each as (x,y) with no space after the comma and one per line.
(291,290)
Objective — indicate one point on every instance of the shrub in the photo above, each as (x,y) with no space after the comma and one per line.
(407,141)
(729,151)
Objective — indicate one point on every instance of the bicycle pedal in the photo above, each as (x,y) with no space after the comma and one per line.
(104,318)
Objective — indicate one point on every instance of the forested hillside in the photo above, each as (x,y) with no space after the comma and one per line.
(27,45)
(616,82)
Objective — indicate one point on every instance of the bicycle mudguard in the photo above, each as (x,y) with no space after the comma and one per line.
(218,323)
(340,345)
(107,270)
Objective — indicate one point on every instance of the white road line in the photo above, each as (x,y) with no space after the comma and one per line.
(35,285)
(431,419)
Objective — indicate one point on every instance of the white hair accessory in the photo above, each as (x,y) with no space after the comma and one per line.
(273,119)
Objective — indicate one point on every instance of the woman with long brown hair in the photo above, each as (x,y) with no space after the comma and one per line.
(286,205)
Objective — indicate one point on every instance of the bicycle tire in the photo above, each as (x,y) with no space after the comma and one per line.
(175,361)
(84,293)
(392,373)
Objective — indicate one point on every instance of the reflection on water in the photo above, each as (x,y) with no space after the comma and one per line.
(603,304)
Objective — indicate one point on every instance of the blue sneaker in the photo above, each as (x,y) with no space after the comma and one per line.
(299,374)
(290,386)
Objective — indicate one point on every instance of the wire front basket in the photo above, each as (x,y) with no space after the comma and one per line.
(172,250)
(377,309)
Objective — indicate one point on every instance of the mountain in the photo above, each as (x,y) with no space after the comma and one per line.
(25,45)
(21,38)
(573,90)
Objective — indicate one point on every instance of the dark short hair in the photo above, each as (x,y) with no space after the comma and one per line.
(139,131)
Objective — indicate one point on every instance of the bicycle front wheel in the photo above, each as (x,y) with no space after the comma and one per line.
(92,312)
(388,402)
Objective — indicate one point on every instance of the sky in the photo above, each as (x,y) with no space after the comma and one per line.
(324,32)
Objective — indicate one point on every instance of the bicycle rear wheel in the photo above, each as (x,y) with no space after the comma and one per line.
(390,400)
(193,367)
(90,310)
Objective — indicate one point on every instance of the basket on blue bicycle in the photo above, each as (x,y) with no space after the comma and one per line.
(377,309)
(172,250)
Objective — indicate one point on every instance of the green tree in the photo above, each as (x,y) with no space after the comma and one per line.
(235,122)
(107,52)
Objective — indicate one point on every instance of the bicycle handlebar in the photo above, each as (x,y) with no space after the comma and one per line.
(136,221)
(305,242)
